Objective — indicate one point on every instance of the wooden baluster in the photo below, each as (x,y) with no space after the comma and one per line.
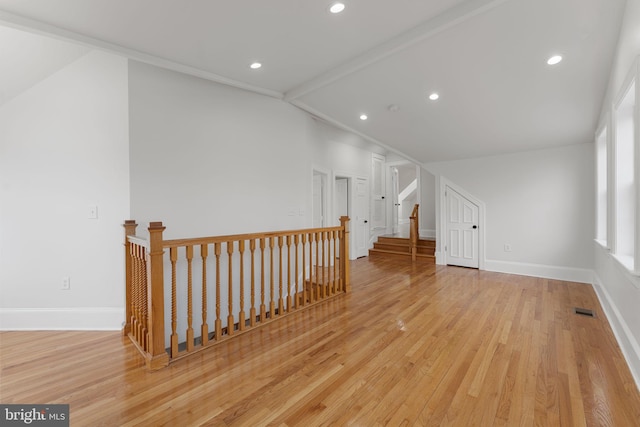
(218,324)
(323,265)
(190,342)
(137,288)
(344,255)
(204,329)
(173,256)
(142,302)
(158,357)
(129,230)
(263,309)
(304,272)
(289,299)
(280,273)
(241,314)
(230,321)
(272,303)
(335,262)
(310,286)
(252,311)
(297,295)
(318,237)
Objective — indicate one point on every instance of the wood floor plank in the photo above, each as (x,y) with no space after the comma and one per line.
(410,345)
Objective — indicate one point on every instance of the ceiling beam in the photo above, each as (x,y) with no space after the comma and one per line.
(340,125)
(44,29)
(450,18)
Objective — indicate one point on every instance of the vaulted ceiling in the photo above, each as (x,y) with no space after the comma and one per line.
(486,59)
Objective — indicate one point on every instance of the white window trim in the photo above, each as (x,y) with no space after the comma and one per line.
(629,264)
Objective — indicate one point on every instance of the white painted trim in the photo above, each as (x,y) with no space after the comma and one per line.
(51,319)
(624,337)
(42,28)
(632,77)
(572,274)
(448,19)
(329,217)
(351,177)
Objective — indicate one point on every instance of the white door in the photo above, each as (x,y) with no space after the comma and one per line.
(394,196)
(462,230)
(378,208)
(361,221)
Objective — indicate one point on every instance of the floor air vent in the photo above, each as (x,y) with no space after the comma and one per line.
(584,312)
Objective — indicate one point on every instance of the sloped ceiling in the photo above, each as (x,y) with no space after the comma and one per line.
(485,58)
(26,58)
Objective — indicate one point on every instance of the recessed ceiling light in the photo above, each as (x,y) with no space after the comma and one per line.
(363,117)
(336,8)
(554,60)
(255,65)
(434,96)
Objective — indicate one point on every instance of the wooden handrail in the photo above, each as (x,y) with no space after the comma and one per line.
(414,232)
(287,270)
(174,243)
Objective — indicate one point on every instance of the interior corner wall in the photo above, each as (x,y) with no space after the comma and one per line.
(208,159)
(541,203)
(619,292)
(64,148)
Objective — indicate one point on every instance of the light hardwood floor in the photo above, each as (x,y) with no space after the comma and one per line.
(410,345)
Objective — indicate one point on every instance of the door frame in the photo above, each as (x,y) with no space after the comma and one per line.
(351,203)
(441,223)
(391,227)
(326,195)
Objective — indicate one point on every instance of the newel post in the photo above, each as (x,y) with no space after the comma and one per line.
(414,230)
(344,254)
(129,230)
(157,357)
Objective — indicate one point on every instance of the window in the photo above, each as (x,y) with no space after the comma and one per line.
(625,182)
(601,186)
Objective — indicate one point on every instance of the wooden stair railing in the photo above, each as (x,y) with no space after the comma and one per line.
(296,269)
(414,232)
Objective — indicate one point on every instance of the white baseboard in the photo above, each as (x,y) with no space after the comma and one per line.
(50,319)
(427,234)
(626,341)
(582,275)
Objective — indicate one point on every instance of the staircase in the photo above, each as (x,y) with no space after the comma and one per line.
(390,246)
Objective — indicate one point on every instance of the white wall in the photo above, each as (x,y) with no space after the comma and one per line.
(208,159)
(619,292)
(539,202)
(63,147)
(428,205)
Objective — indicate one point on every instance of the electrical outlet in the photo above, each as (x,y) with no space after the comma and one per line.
(66,283)
(93,212)
(507,247)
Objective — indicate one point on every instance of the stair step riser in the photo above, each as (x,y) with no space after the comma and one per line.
(403,241)
(403,248)
(419,258)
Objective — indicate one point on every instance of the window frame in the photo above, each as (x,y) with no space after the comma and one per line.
(630,263)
